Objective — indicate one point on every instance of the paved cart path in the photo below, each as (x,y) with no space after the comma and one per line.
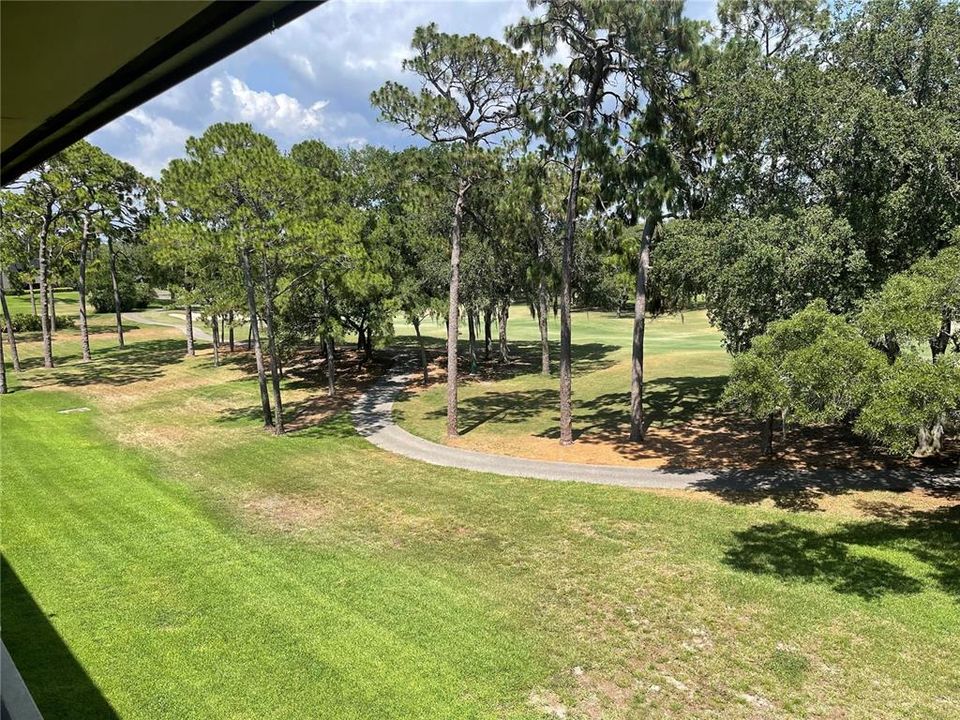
(373,419)
(177,320)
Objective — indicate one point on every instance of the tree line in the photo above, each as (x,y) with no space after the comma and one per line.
(794,169)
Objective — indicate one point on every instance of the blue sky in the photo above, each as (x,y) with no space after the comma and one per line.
(309,79)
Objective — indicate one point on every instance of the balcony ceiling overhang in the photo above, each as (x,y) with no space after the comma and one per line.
(68,68)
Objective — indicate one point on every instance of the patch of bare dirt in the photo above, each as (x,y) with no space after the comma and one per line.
(289,513)
(306,401)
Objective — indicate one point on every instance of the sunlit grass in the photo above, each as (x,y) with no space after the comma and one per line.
(167,558)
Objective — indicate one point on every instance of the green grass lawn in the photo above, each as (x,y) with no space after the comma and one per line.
(66,302)
(514,408)
(164,557)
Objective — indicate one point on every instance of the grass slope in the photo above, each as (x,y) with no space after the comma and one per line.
(166,558)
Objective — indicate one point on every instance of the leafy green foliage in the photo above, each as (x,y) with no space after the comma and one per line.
(133,287)
(860,116)
(814,368)
(471,87)
(753,271)
(807,154)
(912,403)
(28,322)
(918,306)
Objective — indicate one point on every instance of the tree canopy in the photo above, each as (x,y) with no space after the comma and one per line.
(792,170)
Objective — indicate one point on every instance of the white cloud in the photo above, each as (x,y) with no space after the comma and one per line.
(279,112)
(386,62)
(340,52)
(302,64)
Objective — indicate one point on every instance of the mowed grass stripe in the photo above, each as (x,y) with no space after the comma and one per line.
(183,601)
(316,575)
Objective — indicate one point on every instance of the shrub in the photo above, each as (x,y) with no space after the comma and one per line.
(913,405)
(814,367)
(133,293)
(25,322)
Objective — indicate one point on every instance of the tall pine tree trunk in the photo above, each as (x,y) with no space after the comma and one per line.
(254,338)
(589,106)
(11,338)
(216,341)
(453,313)
(472,334)
(331,366)
(639,329)
(231,330)
(45,328)
(487,331)
(503,312)
(766,436)
(190,349)
(542,310)
(116,289)
(53,308)
(423,350)
(82,289)
(566,300)
(274,356)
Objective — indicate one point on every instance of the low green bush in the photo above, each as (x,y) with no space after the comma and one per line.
(25,322)
(134,292)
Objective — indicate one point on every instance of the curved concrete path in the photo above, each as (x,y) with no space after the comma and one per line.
(198,333)
(373,419)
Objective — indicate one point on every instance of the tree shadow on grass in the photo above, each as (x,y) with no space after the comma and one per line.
(668,402)
(502,407)
(802,489)
(793,553)
(337,427)
(307,372)
(113,366)
(72,335)
(514,406)
(58,682)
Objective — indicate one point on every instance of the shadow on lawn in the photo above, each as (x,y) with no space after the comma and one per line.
(667,402)
(111,366)
(802,489)
(789,552)
(96,325)
(504,407)
(59,684)
(315,415)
